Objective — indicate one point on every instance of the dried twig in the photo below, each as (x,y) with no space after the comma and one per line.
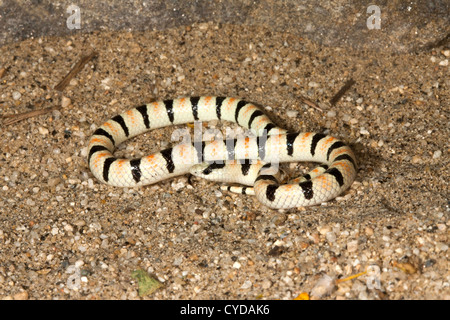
(13,118)
(310,103)
(341,92)
(72,73)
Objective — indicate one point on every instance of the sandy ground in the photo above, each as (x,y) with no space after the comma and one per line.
(63,235)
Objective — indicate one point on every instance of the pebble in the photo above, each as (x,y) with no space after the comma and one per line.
(227,79)
(324,229)
(352,246)
(246,285)
(266,284)
(177,261)
(331,236)
(437,154)
(52,182)
(65,102)
(43,131)
(178,185)
(279,219)
(441,247)
(416,159)
(444,63)
(79,223)
(363,131)
(368,231)
(21,296)
(105,83)
(292,113)
(287,280)
(323,287)
(16,95)
(79,263)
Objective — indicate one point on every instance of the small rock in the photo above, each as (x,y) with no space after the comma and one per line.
(416,159)
(444,63)
(364,131)
(292,113)
(43,131)
(105,83)
(352,246)
(52,182)
(177,261)
(65,102)
(227,79)
(324,229)
(441,247)
(266,284)
(246,285)
(135,48)
(368,231)
(331,114)
(16,95)
(406,267)
(79,223)
(331,236)
(279,219)
(323,287)
(437,154)
(178,185)
(21,296)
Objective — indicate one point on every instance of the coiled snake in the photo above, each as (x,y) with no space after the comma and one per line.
(270,144)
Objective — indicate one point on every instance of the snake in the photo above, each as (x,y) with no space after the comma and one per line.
(251,161)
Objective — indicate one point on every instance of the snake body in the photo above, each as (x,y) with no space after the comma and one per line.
(270,144)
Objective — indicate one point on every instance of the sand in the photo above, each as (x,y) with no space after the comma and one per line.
(64,235)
